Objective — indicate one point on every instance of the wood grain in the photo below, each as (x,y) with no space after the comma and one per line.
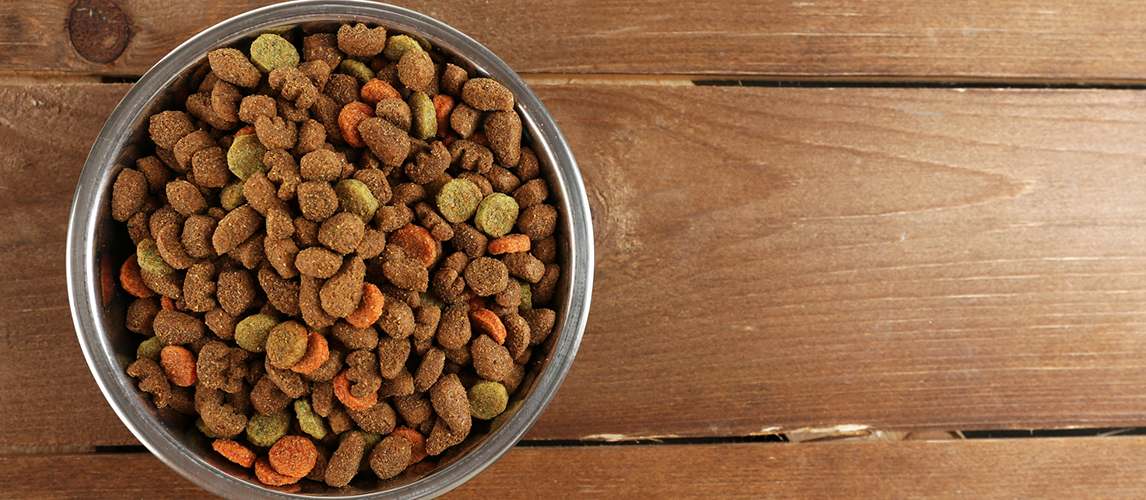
(768,260)
(1016,468)
(1061,40)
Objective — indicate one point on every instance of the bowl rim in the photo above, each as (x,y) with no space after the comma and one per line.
(93,189)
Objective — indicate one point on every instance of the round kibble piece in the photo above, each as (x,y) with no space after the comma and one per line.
(355,197)
(266,431)
(416,69)
(245,157)
(270,51)
(185,198)
(168,127)
(293,456)
(531,193)
(458,200)
(486,276)
(235,291)
(496,215)
(234,452)
(286,344)
(251,332)
(317,200)
(390,457)
(487,399)
(342,233)
(147,254)
(318,262)
(538,222)
(486,94)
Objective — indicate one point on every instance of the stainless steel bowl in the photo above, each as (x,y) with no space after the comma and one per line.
(95,241)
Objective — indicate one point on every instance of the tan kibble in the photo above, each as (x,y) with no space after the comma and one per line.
(168,127)
(128,194)
(416,69)
(342,292)
(503,129)
(389,143)
(239,224)
(317,200)
(361,41)
(342,233)
(486,94)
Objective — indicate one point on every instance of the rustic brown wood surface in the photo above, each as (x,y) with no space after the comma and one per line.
(1089,40)
(1016,468)
(885,261)
(776,259)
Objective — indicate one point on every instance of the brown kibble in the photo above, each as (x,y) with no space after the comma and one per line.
(442,437)
(279,224)
(397,319)
(502,180)
(362,374)
(545,250)
(225,100)
(450,402)
(343,464)
(262,195)
(414,408)
(471,156)
(528,168)
(289,382)
(516,334)
(389,143)
(453,79)
(318,262)
(486,94)
(185,198)
(342,233)
(342,292)
(176,328)
(128,194)
(168,127)
(221,323)
(373,242)
(281,254)
(543,291)
(321,165)
(429,165)
(151,380)
(311,135)
(317,200)
(322,47)
(254,106)
(309,303)
(235,291)
(465,120)
(281,293)
(268,399)
(503,129)
(138,228)
(524,266)
(375,180)
(305,232)
(430,369)
(392,356)
(454,327)
(284,171)
(141,314)
(416,69)
(531,193)
(538,221)
(328,369)
(408,274)
(293,86)
(391,456)
(199,287)
(491,361)
(232,66)
(390,218)
(209,167)
(469,240)
(167,285)
(408,193)
(395,111)
(250,253)
(158,175)
(360,40)
(199,106)
(355,338)
(221,367)
(486,276)
(239,225)
(377,419)
(276,133)
(190,144)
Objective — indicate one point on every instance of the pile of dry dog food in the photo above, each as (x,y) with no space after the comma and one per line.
(343,254)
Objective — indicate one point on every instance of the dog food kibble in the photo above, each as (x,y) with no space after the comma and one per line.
(343,254)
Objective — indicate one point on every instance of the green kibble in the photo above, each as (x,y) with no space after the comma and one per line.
(496,215)
(358,70)
(397,45)
(354,196)
(270,51)
(245,158)
(424,117)
(458,199)
(266,431)
(286,344)
(232,197)
(149,259)
(251,333)
(487,399)
(309,421)
(427,299)
(526,295)
(202,426)
(149,349)
(278,30)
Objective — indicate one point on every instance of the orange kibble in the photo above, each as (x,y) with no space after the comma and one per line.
(443,104)
(510,243)
(417,442)
(130,279)
(249,129)
(269,476)
(342,391)
(369,309)
(375,90)
(167,303)
(317,352)
(475,301)
(449,138)
(489,323)
(293,456)
(234,452)
(179,363)
(417,243)
(348,119)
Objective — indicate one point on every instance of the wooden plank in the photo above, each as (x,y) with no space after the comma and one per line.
(1016,468)
(1061,40)
(768,260)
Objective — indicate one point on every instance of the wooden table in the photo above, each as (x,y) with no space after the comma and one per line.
(844,249)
